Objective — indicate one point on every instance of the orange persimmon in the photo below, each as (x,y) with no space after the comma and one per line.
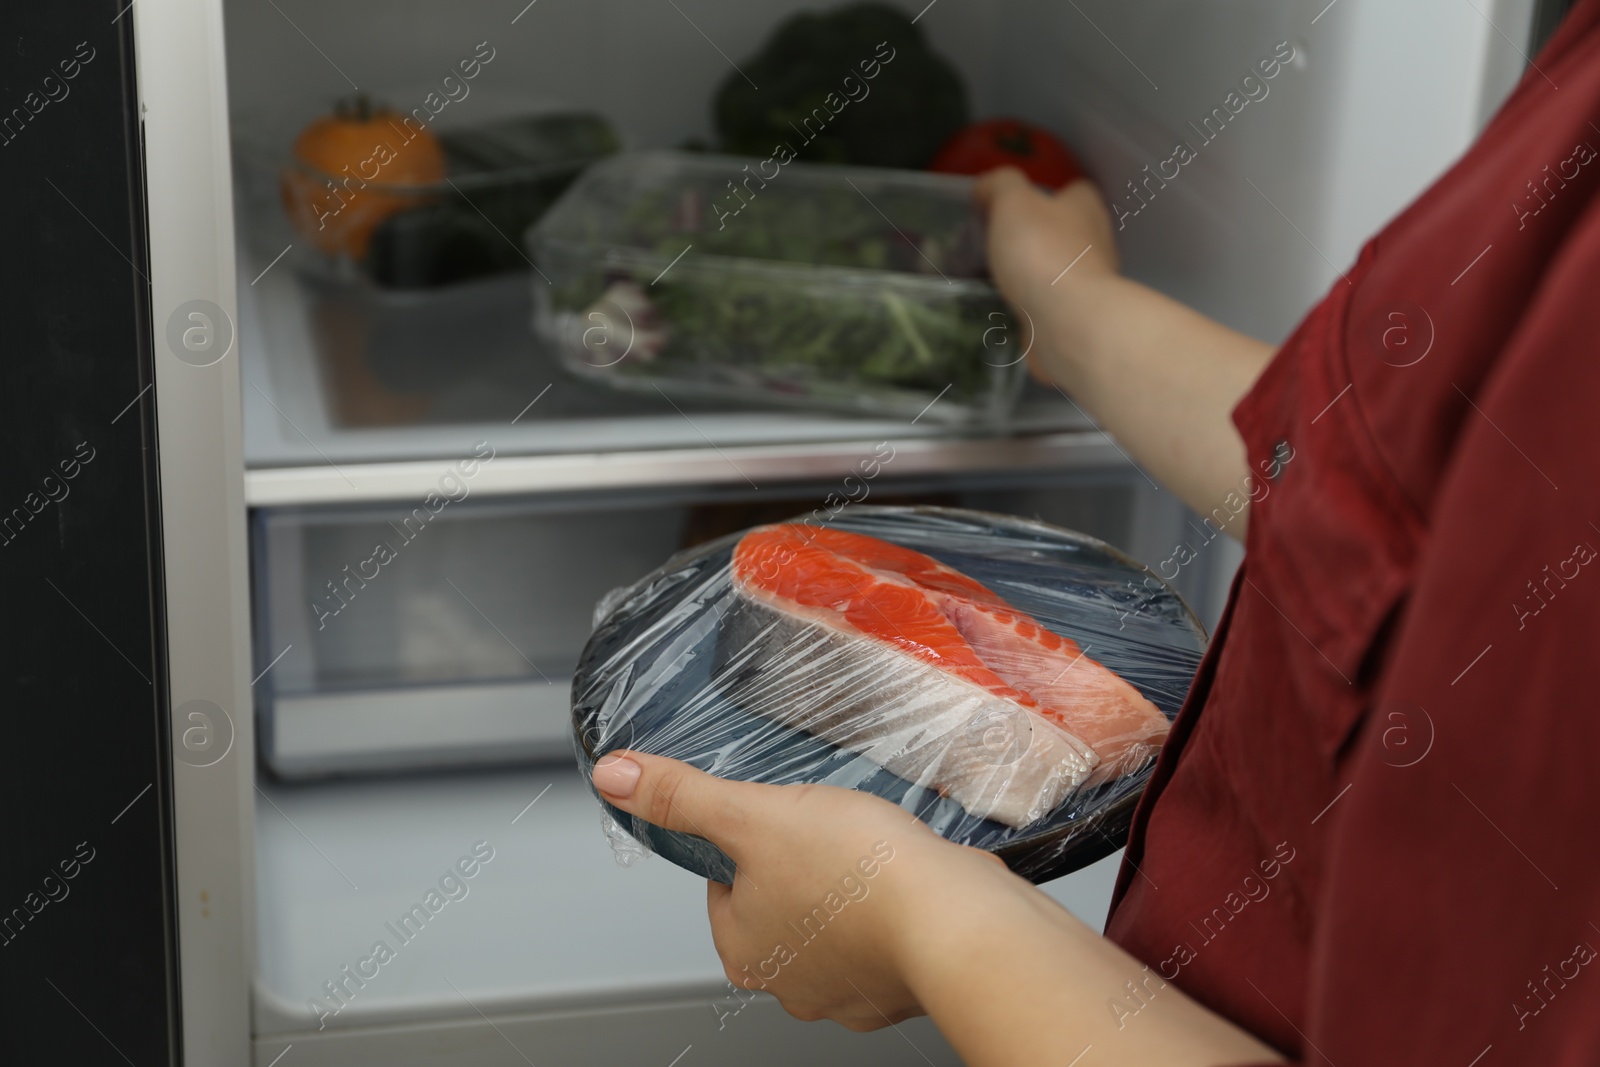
(355,168)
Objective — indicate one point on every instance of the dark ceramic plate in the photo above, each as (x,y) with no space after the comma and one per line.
(648,679)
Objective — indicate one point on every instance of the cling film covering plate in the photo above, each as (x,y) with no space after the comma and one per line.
(686,664)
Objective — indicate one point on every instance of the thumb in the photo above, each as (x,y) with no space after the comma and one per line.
(995,184)
(673,795)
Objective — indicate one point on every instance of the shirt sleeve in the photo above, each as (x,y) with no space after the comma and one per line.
(1461,907)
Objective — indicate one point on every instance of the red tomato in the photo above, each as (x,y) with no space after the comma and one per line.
(995,143)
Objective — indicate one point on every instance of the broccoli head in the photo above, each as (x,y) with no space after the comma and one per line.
(898,118)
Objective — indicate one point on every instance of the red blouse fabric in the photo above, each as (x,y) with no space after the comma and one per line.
(1374,836)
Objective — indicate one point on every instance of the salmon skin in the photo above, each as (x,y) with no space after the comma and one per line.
(887,652)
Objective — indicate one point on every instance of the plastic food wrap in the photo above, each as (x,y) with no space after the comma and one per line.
(1007,681)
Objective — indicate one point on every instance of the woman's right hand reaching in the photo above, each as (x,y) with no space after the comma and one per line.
(1043,245)
(1159,377)
(1034,234)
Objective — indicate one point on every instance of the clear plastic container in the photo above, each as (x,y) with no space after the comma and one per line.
(410,288)
(488,181)
(844,288)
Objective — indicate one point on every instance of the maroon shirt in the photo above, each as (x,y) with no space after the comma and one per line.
(1374,836)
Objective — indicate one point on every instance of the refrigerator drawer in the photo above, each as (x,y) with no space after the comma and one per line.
(389,638)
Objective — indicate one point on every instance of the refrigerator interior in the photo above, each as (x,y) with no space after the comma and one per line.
(562,950)
(1250,231)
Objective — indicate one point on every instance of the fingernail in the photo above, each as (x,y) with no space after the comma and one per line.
(616,776)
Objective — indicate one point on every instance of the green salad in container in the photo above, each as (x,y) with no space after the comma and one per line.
(837,287)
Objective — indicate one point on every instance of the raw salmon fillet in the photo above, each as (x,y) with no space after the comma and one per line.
(887,652)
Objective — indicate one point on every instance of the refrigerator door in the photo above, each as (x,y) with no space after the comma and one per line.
(182,103)
(89,957)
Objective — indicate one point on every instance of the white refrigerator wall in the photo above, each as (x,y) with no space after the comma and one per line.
(1378,99)
(651,67)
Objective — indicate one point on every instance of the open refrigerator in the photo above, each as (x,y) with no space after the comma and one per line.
(408,721)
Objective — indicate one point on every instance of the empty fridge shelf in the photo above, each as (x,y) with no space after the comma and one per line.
(547,929)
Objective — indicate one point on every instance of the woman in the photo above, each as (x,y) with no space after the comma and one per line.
(1368,839)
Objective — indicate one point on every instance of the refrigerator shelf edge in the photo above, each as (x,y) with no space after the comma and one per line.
(507,475)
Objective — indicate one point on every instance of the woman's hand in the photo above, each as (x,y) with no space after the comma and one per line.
(1041,247)
(819,914)
(1036,236)
(1161,378)
(847,908)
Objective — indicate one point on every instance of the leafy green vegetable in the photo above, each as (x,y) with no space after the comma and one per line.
(821,338)
(858,84)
